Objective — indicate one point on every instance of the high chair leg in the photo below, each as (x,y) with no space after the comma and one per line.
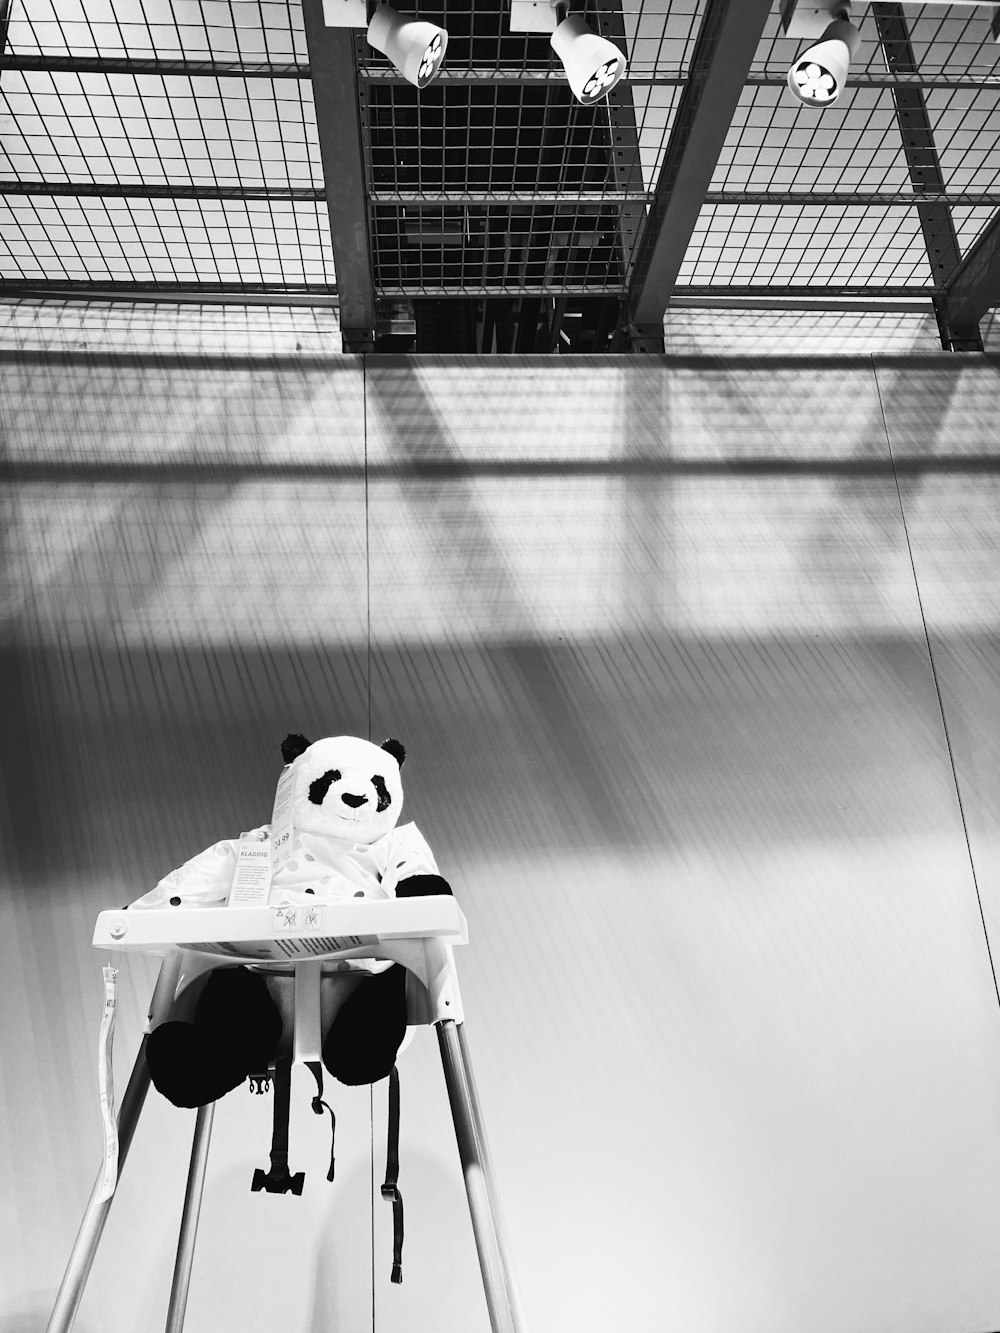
(189,1219)
(480,1185)
(85,1247)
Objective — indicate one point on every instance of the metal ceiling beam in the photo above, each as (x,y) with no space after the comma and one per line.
(972,289)
(805,298)
(773,302)
(841,291)
(140,190)
(919,149)
(216,69)
(924,200)
(206,293)
(724,51)
(678,78)
(249,69)
(570,198)
(338,126)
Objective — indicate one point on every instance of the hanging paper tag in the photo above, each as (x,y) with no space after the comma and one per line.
(281,820)
(105,1078)
(252,876)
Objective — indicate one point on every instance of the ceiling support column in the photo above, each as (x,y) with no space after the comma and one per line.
(923,165)
(971,290)
(724,51)
(333,71)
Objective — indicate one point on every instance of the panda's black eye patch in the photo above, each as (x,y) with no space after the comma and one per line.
(384,799)
(319,788)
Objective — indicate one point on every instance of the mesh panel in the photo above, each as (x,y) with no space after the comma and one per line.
(119,326)
(154,129)
(491,180)
(166,29)
(169,240)
(767,245)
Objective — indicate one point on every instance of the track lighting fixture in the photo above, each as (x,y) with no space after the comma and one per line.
(817,76)
(593,65)
(415,47)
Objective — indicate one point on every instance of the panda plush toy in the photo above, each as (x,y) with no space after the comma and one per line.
(341,798)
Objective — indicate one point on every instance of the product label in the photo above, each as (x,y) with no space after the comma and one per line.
(252,876)
(105,1079)
(281,819)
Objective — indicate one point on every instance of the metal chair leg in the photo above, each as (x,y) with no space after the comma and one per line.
(85,1247)
(189,1219)
(492,1191)
(480,1184)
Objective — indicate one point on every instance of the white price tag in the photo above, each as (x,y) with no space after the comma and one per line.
(252,876)
(281,820)
(105,1079)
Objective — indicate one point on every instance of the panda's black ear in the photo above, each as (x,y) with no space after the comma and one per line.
(292,746)
(396,749)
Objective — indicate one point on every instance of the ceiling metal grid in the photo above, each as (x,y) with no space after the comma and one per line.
(169,241)
(813,164)
(250,30)
(194,327)
(770,245)
(484,187)
(492,180)
(156,129)
(856,147)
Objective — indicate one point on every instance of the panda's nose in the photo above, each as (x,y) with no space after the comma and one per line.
(353,801)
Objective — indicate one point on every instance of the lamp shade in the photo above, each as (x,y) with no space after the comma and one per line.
(593,65)
(415,47)
(818,75)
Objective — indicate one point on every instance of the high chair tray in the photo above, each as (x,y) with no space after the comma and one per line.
(265,933)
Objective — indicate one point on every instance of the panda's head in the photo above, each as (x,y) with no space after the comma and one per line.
(345,787)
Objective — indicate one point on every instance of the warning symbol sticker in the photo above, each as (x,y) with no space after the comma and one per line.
(284,919)
(292,920)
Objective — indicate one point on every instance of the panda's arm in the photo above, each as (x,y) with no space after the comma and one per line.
(204,881)
(422,886)
(412,863)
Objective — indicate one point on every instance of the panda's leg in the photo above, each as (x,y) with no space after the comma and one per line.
(368,1030)
(236,1030)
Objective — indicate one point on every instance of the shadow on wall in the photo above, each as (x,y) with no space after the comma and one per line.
(35,1315)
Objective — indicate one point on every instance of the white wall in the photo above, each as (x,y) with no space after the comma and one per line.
(653,631)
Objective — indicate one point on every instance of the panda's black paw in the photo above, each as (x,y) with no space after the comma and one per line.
(422,886)
(187,1069)
(369,1028)
(236,1031)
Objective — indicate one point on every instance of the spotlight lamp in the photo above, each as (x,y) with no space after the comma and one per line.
(593,65)
(817,76)
(415,47)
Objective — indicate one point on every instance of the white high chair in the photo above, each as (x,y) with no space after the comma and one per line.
(306,942)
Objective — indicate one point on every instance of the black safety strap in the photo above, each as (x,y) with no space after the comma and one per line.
(318,1105)
(390,1190)
(279,1127)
